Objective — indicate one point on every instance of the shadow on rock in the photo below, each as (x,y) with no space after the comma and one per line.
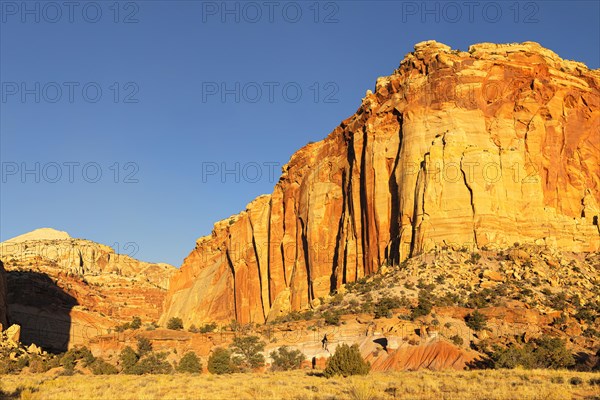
(41,308)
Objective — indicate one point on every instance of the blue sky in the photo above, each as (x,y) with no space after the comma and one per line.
(145,122)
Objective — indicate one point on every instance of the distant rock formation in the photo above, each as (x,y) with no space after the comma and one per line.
(40,234)
(483,148)
(64,291)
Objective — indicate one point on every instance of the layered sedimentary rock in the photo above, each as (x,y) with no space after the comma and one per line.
(485,148)
(64,291)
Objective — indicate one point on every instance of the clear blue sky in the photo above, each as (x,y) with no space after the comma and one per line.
(168,128)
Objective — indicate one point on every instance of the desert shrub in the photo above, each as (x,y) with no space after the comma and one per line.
(544,352)
(9,366)
(425,286)
(481,299)
(449,299)
(128,359)
(552,353)
(332,317)
(576,381)
(144,346)
(285,359)
(175,323)
(189,363)
(585,314)
(101,367)
(206,328)
(368,306)
(476,321)
(475,257)
(457,340)
(346,361)
(136,323)
(70,358)
(152,363)
(220,362)
(337,299)
(424,305)
(514,356)
(591,332)
(386,304)
(246,352)
(37,364)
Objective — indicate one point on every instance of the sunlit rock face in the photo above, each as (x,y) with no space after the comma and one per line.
(485,148)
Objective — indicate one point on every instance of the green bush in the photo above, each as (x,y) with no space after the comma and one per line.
(476,320)
(152,363)
(136,323)
(144,346)
(457,340)
(70,358)
(220,362)
(128,359)
(332,317)
(385,305)
(552,353)
(175,324)
(101,367)
(424,305)
(208,328)
(576,381)
(189,363)
(544,352)
(286,360)
(246,352)
(346,361)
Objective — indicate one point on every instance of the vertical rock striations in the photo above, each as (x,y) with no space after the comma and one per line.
(496,145)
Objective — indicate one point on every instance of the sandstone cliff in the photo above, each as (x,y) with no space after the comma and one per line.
(485,148)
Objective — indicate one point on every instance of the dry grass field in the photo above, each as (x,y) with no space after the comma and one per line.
(476,385)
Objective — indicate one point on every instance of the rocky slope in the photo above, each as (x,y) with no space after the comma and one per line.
(488,147)
(64,291)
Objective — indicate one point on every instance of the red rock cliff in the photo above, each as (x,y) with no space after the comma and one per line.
(496,145)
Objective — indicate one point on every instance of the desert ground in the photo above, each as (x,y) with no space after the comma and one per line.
(475,385)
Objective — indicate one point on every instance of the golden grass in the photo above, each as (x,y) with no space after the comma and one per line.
(427,385)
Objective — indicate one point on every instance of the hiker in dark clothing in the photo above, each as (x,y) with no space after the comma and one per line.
(324,341)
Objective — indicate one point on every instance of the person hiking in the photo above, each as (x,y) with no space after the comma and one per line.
(324,341)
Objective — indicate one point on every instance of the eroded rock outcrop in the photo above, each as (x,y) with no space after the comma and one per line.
(483,148)
(64,291)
